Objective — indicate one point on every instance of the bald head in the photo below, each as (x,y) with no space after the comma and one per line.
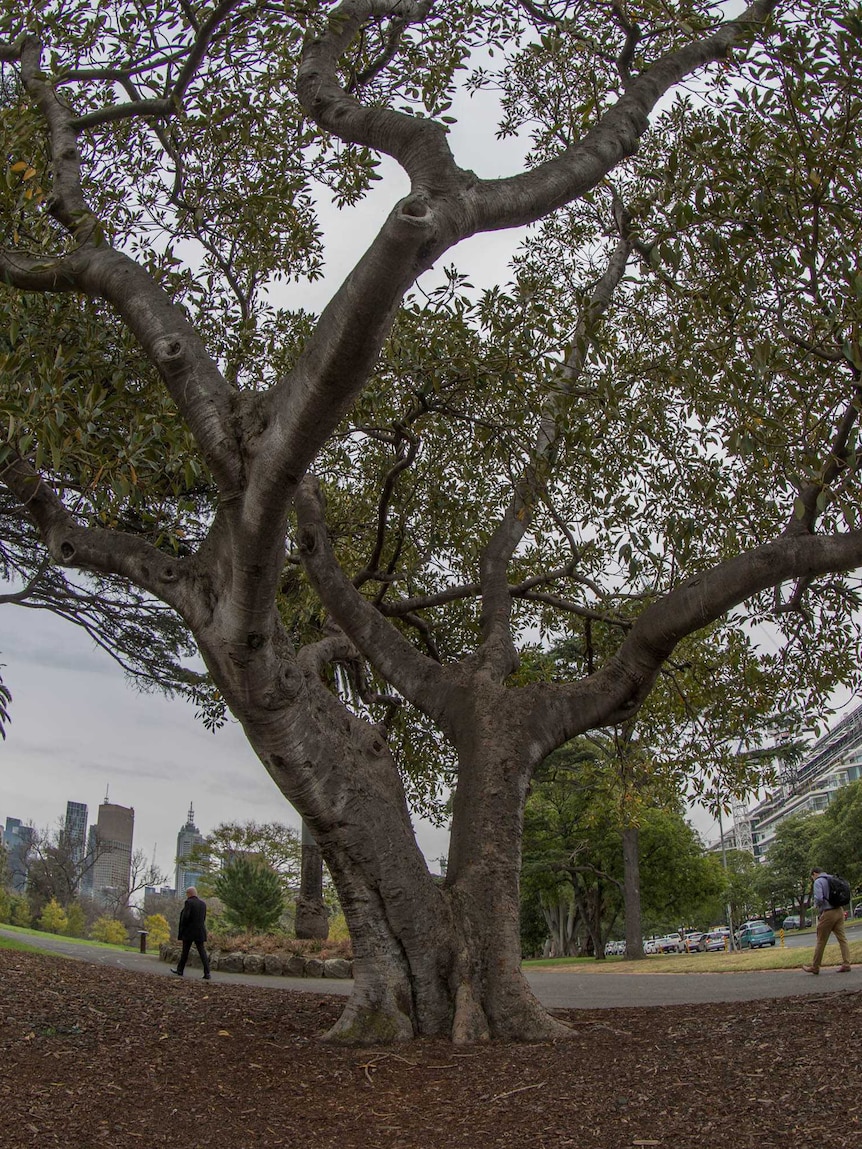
(192,892)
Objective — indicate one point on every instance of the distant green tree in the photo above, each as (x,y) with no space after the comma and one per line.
(837,842)
(573,855)
(19,910)
(742,893)
(788,862)
(272,842)
(252,894)
(76,921)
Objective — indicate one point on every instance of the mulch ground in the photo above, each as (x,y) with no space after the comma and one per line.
(91,1056)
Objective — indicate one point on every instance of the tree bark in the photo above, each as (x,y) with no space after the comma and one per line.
(312,913)
(632,892)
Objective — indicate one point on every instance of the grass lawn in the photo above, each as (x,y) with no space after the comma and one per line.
(14,944)
(773,957)
(26,932)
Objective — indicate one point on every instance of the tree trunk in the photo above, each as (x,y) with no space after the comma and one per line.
(312,913)
(430,958)
(632,893)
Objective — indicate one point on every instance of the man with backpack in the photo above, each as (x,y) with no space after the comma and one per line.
(831,895)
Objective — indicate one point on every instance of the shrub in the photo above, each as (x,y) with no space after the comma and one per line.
(76,922)
(252,895)
(109,930)
(158,929)
(54,919)
(19,914)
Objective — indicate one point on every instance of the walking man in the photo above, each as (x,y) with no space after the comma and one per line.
(192,929)
(831,920)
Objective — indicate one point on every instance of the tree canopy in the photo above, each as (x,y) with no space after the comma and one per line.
(364,517)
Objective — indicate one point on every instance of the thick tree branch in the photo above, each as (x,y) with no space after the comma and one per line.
(419,145)
(618,688)
(524,198)
(420,679)
(94,267)
(95,548)
(497,644)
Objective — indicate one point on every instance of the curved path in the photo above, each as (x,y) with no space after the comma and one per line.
(564,988)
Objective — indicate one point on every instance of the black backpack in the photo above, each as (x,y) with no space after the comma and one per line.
(839,892)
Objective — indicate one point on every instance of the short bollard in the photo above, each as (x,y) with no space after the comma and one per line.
(142,934)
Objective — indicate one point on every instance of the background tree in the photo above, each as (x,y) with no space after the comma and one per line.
(574,855)
(55,870)
(789,860)
(274,843)
(629,470)
(743,893)
(143,872)
(76,920)
(252,894)
(837,836)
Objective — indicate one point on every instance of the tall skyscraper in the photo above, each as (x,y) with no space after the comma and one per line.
(75,834)
(188,837)
(112,867)
(18,840)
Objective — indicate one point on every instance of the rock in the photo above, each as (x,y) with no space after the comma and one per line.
(273,964)
(231,963)
(337,967)
(314,967)
(295,966)
(253,963)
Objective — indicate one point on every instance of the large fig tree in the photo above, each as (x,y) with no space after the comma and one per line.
(367,511)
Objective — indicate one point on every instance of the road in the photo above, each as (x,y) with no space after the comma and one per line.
(565,988)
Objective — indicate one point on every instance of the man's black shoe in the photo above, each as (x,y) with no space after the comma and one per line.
(177,972)
(207,977)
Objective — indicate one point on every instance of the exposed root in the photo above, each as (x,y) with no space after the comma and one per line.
(364,1025)
(470,1024)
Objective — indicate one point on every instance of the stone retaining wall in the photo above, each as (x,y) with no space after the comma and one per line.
(279,965)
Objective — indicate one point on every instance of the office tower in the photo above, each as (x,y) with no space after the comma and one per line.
(75,835)
(18,840)
(188,837)
(112,867)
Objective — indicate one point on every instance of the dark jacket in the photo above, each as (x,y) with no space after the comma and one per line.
(192,918)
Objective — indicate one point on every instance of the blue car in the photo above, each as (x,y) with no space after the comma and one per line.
(756,936)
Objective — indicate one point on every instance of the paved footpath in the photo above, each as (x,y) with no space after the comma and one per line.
(557,989)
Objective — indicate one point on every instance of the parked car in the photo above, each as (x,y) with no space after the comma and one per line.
(857,913)
(755,936)
(792,923)
(690,939)
(713,941)
(746,925)
(670,944)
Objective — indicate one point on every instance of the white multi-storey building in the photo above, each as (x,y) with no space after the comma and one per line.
(834,761)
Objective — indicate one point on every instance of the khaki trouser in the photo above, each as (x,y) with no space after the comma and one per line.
(831,921)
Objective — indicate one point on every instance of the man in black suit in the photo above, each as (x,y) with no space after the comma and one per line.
(192,928)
